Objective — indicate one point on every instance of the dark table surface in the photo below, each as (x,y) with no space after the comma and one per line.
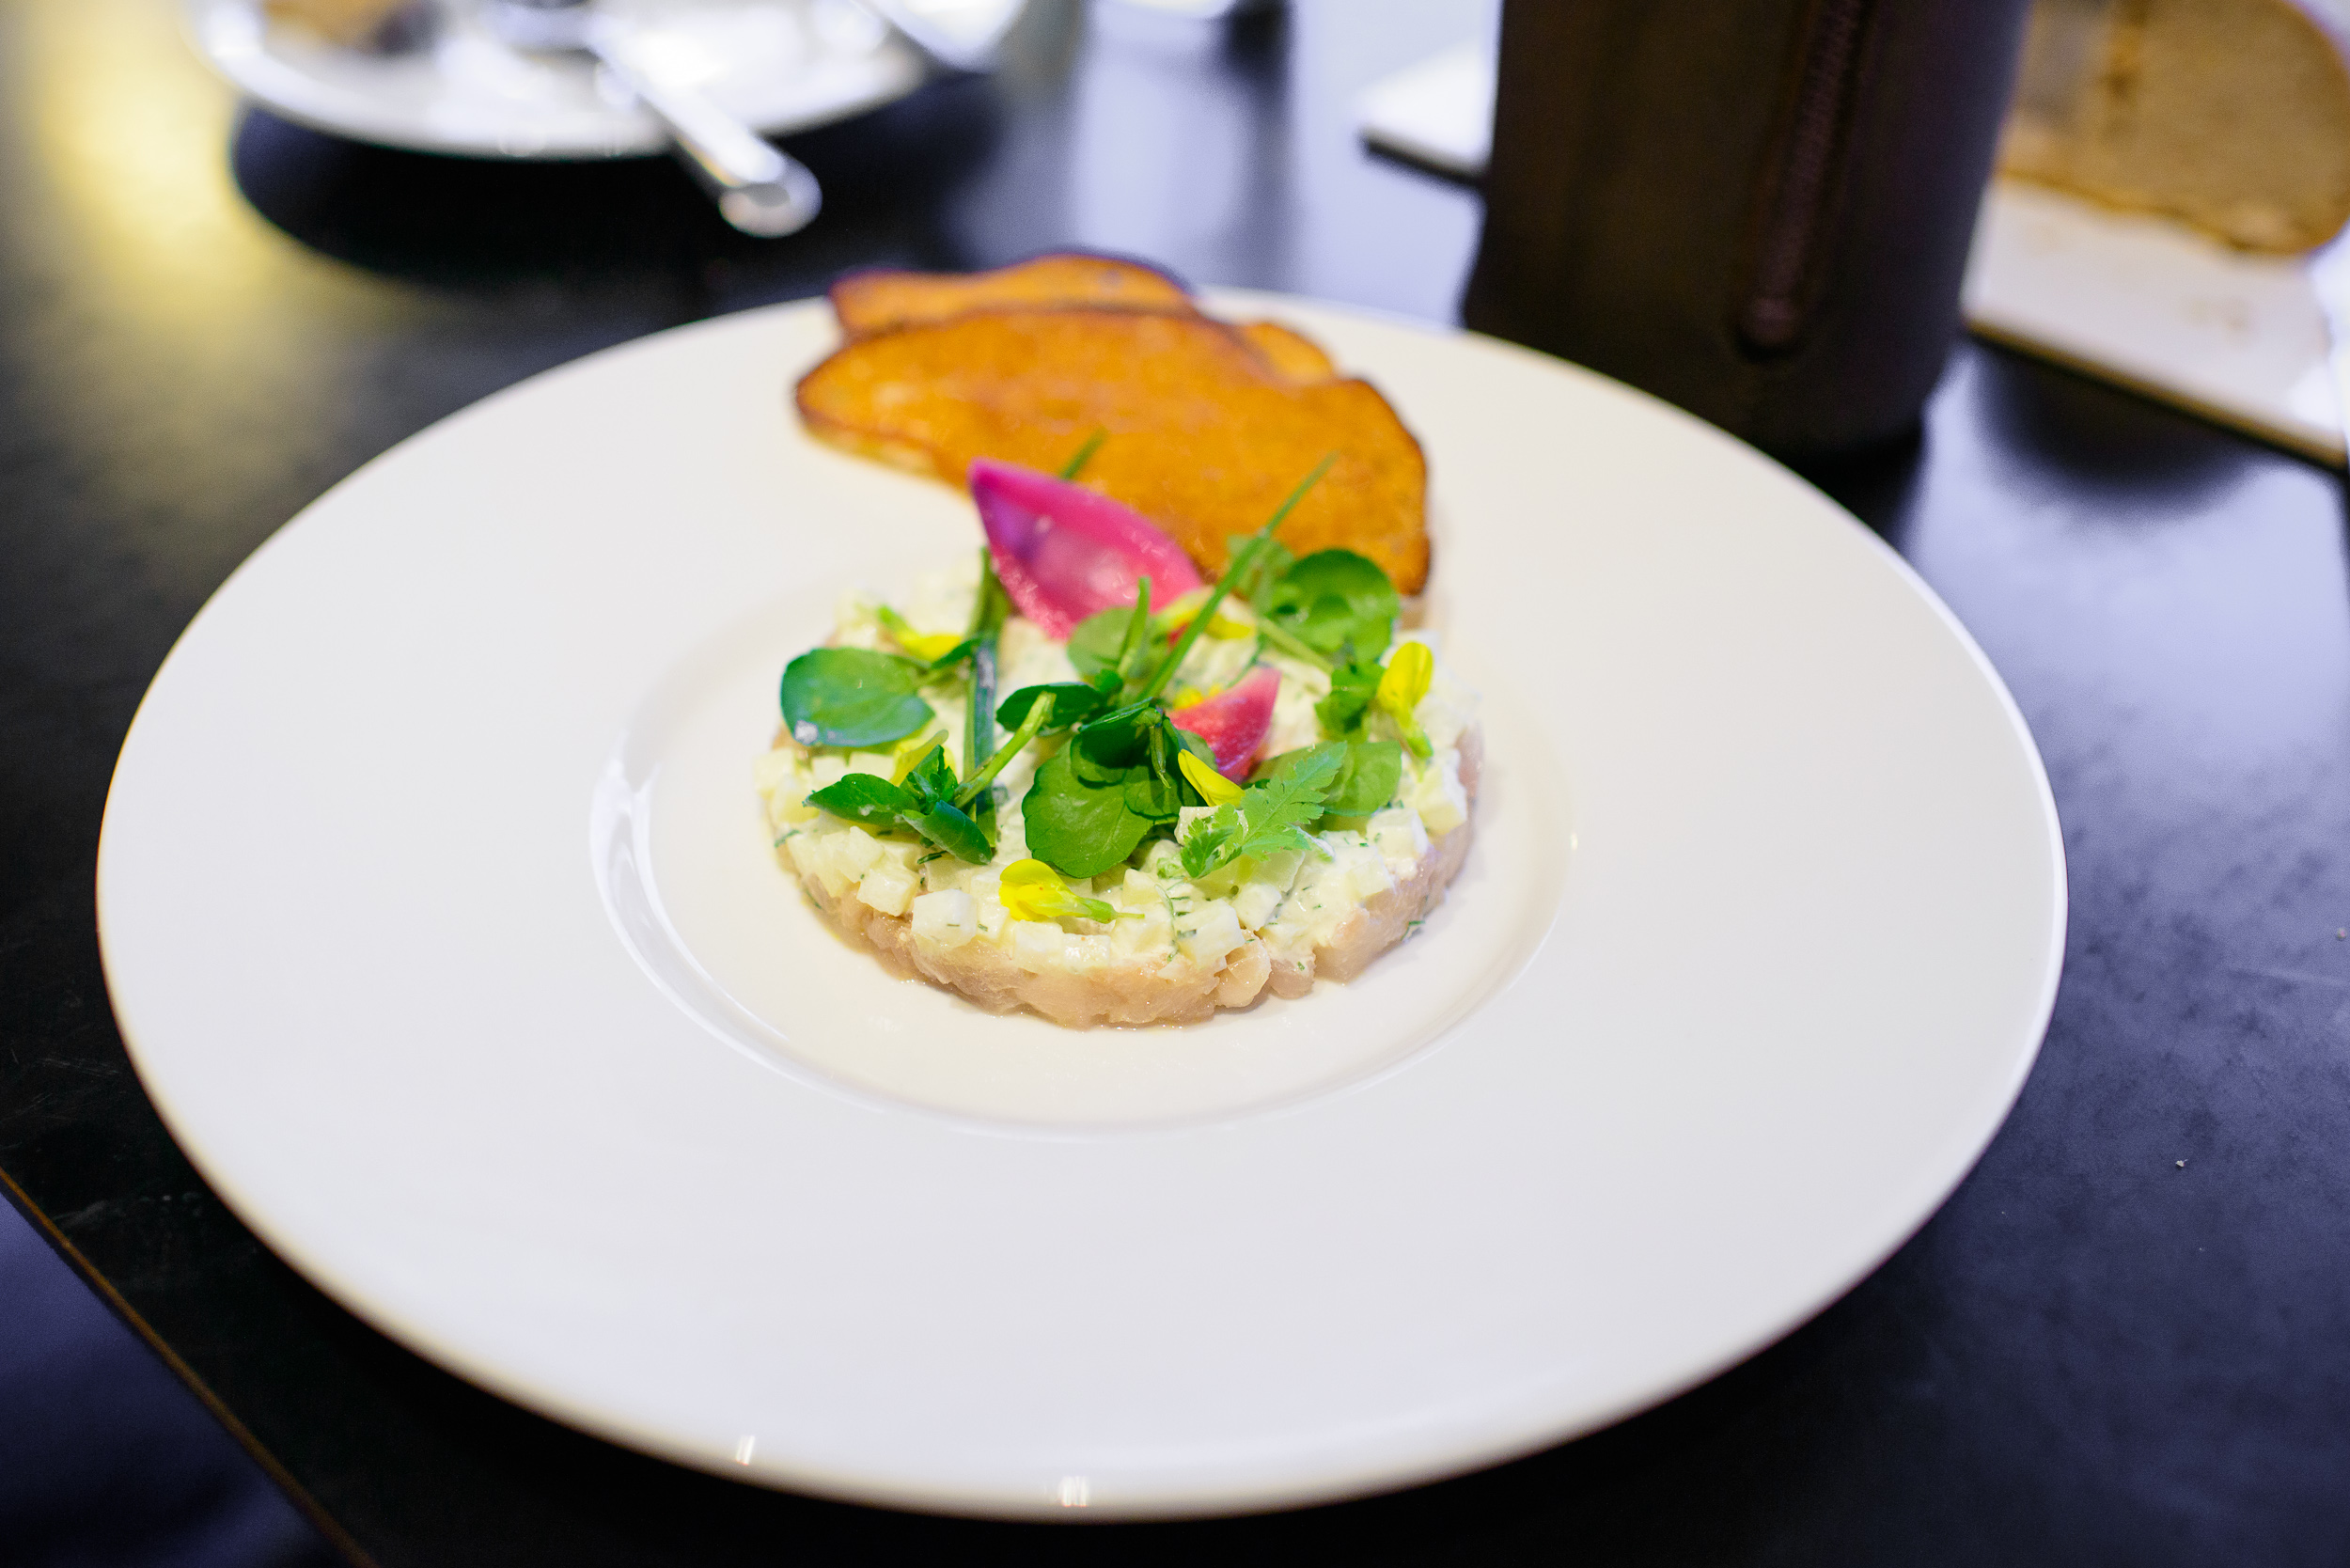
(2126,1339)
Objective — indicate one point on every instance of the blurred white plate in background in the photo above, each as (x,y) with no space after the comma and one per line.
(777,65)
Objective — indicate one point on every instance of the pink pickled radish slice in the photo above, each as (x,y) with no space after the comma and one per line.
(1064,552)
(1233,721)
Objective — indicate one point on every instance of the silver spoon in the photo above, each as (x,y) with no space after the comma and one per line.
(760,190)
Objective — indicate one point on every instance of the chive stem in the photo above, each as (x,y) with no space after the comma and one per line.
(1235,572)
(1138,628)
(1291,643)
(987,618)
(1076,465)
(1030,727)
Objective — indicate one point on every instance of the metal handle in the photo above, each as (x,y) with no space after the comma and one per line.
(760,190)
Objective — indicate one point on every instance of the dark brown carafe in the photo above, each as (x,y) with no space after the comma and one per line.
(1757,208)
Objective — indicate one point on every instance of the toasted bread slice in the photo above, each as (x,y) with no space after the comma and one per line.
(1205,437)
(1289,351)
(881,300)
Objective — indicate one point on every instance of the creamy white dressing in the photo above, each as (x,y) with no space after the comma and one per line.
(1293,903)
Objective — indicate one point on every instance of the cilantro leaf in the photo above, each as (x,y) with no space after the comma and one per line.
(1273,815)
(1369,771)
(1212,840)
(852,696)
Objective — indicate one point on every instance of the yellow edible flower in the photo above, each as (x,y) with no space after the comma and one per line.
(1404,683)
(1213,786)
(925,646)
(1034,891)
(1178,616)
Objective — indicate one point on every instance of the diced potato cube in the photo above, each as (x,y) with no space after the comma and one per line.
(1037,944)
(1366,873)
(946,919)
(1256,903)
(888,887)
(1206,931)
(857,851)
(1278,869)
(1400,838)
(808,854)
(1436,794)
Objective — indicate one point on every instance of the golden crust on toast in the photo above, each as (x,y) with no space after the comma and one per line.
(883,300)
(1289,351)
(880,300)
(1205,436)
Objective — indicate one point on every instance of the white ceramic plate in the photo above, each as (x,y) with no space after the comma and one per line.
(779,65)
(441,923)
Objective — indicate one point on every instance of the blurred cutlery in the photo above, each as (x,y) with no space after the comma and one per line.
(760,190)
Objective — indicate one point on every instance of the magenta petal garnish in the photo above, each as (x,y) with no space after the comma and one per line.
(1064,552)
(1234,721)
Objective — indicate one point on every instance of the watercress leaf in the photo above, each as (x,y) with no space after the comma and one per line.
(1093,773)
(1337,601)
(1122,737)
(1369,779)
(1153,787)
(1352,688)
(1071,704)
(1153,795)
(939,821)
(852,696)
(1078,829)
(863,798)
(1097,640)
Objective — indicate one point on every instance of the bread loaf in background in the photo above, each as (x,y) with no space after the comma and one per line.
(2231,114)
